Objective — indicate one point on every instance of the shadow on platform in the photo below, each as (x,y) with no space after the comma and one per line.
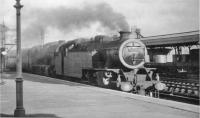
(32,115)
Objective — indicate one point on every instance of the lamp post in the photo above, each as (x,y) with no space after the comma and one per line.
(19,111)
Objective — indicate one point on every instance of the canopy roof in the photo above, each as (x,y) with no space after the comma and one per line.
(171,40)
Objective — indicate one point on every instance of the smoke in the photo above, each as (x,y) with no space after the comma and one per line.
(67,20)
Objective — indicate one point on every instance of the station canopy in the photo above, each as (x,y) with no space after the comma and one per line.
(173,40)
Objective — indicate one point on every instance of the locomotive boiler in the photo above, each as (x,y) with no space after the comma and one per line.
(106,61)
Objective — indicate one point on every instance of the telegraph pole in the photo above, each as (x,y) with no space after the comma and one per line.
(19,111)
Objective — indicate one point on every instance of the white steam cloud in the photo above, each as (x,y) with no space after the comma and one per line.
(67,20)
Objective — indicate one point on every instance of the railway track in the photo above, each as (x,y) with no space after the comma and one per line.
(186,90)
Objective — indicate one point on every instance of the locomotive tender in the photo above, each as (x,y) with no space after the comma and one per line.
(106,61)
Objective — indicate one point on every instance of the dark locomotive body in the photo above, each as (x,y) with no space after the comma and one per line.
(100,52)
(103,60)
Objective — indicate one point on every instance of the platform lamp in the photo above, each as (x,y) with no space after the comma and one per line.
(19,111)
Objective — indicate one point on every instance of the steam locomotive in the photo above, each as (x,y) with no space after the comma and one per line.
(106,61)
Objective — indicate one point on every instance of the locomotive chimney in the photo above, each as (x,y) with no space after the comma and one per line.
(124,35)
(134,33)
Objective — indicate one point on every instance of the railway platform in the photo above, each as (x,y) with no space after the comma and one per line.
(50,97)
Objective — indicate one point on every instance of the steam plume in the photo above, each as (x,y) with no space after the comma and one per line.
(70,19)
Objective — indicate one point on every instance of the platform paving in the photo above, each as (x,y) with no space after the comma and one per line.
(47,97)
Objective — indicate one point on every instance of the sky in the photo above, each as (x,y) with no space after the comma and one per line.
(54,20)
